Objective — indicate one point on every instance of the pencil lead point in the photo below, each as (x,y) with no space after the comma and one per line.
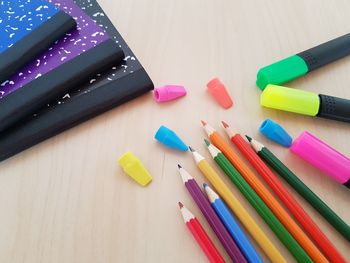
(207,142)
(203,123)
(179,166)
(205,185)
(180,205)
(224,124)
(248,138)
(191,149)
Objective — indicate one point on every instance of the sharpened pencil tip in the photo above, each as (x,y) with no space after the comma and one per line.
(203,123)
(205,185)
(191,149)
(179,166)
(248,138)
(180,205)
(207,142)
(224,124)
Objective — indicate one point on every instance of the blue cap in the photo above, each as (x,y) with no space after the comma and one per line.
(169,138)
(276,133)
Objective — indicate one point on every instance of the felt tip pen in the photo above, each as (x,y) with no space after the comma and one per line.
(306,103)
(304,62)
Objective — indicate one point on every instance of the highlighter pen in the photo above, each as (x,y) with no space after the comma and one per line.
(306,103)
(298,65)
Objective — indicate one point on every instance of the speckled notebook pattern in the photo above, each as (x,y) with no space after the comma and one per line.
(19,17)
(129,65)
(102,93)
(87,36)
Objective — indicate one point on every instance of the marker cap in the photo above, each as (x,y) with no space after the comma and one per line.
(169,92)
(169,138)
(293,100)
(276,133)
(133,167)
(281,71)
(218,90)
(322,156)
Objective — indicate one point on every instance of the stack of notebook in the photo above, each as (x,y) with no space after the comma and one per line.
(80,68)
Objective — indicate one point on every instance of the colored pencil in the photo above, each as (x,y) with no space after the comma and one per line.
(276,226)
(200,235)
(285,196)
(255,231)
(210,215)
(232,226)
(293,180)
(282,215)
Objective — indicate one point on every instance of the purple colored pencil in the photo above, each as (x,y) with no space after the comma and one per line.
(87,35)
(210,215)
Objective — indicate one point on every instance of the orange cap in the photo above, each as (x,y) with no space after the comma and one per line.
(219,92)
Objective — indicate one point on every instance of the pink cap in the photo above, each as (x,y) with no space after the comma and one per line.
(169,92)
(322,156)
(219,92)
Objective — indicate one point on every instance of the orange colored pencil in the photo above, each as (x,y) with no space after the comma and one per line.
(264,194)
(289,201)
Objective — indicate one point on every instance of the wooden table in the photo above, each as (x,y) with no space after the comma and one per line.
(67,200)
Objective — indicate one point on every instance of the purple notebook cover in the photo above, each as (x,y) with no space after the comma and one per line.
(87,36)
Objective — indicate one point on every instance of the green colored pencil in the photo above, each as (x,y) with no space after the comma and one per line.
(275,225)
(301,188)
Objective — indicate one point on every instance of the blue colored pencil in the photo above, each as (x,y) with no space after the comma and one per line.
(232,226)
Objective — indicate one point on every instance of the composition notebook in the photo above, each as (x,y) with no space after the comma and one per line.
(101,93)
(67,64)
(28,28)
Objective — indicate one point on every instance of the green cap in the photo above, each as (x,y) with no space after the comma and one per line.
(281,71)
(293,100)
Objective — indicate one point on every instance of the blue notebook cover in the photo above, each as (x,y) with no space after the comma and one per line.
(27,28)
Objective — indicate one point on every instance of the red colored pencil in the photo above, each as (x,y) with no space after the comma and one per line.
(200,235)
(269,199)
(285,196)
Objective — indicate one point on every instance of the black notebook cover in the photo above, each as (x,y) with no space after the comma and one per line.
(102,93)
(67,64)
(30,98)
(28,28)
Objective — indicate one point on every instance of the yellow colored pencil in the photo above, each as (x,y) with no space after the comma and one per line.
(255,231)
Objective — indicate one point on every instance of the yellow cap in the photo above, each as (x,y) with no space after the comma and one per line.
(293,100)
(133,167)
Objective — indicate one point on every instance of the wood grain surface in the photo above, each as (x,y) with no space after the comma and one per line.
(67,200)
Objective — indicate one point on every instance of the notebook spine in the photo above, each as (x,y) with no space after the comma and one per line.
(35,43)
(30,98)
